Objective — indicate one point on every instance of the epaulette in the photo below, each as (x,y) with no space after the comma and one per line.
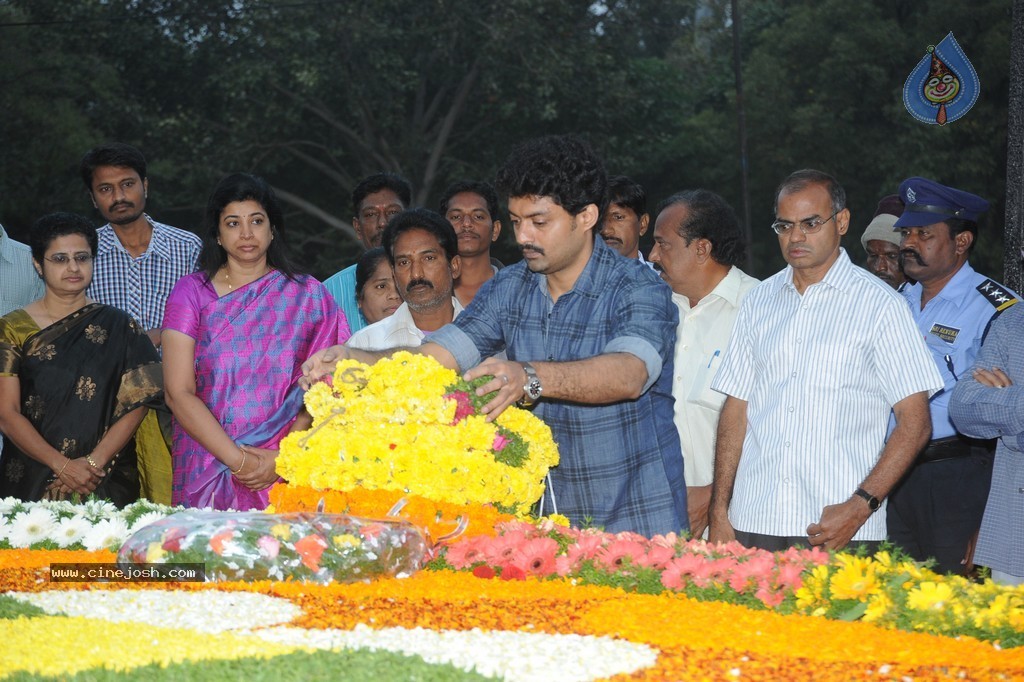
(999,296)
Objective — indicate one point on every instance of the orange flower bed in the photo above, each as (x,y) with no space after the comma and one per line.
(438,518)
(695,640)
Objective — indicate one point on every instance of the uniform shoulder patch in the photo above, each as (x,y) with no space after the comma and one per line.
(999,296)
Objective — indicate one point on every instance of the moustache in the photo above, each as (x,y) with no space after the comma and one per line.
(118,204)
(417,283)
(468,233)
(523,248)
(910,253)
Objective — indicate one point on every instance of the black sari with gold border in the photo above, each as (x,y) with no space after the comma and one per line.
(78,377)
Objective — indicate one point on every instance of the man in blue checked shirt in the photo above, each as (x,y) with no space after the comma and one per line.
(138,260)
(589,338)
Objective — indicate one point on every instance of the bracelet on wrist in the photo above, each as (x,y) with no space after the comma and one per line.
(240,466)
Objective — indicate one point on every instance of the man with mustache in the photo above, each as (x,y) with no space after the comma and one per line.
(138,260)
(589,339)
(626,219)
(422,248)
(811,376)
(698,248)
(937,509)
(375,200)
(472,209)
(882,244)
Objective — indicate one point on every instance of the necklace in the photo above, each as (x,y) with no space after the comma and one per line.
(48,313)
(227,280)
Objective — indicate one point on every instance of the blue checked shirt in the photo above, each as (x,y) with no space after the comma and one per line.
(621,466)
(981,411)
(820,373)
(19,283)
(140,286)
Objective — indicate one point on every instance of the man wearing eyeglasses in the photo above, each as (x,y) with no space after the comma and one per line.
(937,510)
(472,209)
(810,378)
(375,201)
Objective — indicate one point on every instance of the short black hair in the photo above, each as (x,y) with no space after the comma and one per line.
(626,192)
(378,181)
(53,225)
(366,266)
(801,179)
(484,189)
(116,154)
(710,217)
(564,168)
(243,187)
(958,225)
(420,219)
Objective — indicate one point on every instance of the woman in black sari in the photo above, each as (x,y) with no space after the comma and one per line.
(75,379)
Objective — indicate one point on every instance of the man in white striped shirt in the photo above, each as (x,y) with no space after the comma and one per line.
(820,354)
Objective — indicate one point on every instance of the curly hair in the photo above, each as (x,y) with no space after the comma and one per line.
(54,225)
(378,181)
(564,168)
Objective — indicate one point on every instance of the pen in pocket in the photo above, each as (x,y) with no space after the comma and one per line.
(715,355)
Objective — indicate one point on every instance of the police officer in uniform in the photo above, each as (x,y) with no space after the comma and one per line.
(936,511)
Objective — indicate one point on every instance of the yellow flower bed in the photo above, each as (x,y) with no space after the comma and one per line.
(695,640)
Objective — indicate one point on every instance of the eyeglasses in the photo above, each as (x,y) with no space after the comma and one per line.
(807,225)
(63,259)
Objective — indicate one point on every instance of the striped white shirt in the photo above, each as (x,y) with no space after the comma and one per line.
(820,373)
(19,283)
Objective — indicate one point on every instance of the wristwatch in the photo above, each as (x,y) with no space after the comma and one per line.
(873,502)
(532,389)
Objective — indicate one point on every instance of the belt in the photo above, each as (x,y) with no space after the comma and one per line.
(954,447)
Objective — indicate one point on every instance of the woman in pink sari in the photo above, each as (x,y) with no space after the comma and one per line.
(234,338)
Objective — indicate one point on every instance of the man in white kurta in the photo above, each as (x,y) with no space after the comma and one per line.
(698,246)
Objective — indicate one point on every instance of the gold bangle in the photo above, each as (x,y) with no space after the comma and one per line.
(64,467)
(239,469)
(92,462)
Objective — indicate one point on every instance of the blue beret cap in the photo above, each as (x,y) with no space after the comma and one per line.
(928,202)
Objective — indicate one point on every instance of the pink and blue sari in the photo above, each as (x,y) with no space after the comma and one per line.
(250,346)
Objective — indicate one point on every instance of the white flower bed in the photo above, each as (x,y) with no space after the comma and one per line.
(92,525)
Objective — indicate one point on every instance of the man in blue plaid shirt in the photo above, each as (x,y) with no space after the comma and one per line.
(138,260)
(589,337)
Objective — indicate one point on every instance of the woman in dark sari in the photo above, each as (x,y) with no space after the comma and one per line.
(75,379)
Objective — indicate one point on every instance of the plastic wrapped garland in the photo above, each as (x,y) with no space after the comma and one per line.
(304,547)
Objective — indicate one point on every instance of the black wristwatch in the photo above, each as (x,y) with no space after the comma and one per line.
(873,502)
(532,389)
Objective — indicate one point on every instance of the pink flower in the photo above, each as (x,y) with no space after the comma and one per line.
(656,556)
(586,547)
(463,406)
(499,442)
(536,557)
(465,553)
(500,550)
(564,565)
(269,546)
(768,597)
(674,575)
(615,554)
(790,576)
(668,540)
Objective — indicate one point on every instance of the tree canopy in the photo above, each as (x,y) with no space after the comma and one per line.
(314,95)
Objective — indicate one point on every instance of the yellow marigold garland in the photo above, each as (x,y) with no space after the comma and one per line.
(389,426)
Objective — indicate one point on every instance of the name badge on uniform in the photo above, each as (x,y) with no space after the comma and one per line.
(947,334)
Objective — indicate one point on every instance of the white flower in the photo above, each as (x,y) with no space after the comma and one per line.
(31,526)
(5,528)
(9,504)
(146,519)
(63,507)
(98,509)
(71,530)
(107,534)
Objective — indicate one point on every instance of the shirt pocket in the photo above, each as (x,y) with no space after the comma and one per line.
(701,392)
